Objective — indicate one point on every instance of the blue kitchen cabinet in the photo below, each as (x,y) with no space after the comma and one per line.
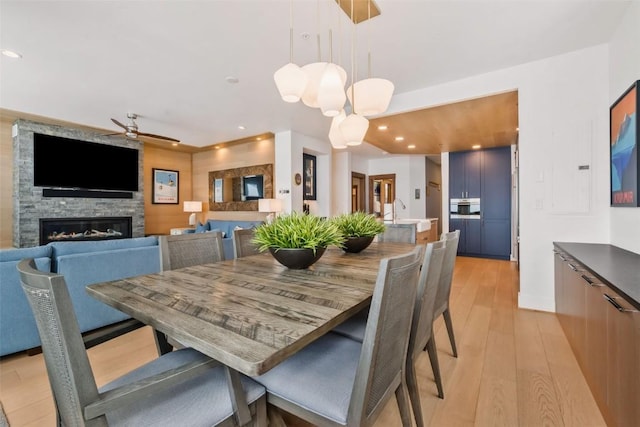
(496,203)
(464,174)
(470,242)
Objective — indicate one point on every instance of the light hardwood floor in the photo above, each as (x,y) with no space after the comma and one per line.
(515,367)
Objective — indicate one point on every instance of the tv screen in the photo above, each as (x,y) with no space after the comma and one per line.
(253,189)
(70,163)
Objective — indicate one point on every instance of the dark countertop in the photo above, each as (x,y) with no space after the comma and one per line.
(616,267)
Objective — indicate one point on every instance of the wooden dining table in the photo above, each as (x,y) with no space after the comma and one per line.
(251,313)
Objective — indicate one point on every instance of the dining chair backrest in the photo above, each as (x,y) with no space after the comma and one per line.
(398,233)
(186,250)
(426,297)
(446,276)
(243,242)
(70,374)
(384,349)
(175,389)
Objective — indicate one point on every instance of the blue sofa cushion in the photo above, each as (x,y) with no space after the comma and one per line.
(82,269)
(201,228)
(17,325)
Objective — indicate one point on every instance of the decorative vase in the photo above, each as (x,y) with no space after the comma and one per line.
(296,258)
(357,244)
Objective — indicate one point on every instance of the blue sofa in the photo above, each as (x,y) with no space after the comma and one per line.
(227,228)
(82,264)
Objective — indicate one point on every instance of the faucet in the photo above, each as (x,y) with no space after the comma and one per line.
(395,214)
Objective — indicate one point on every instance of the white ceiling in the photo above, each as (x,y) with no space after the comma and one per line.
(88,61)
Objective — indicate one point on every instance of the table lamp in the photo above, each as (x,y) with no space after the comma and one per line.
(193,207)
(272,206)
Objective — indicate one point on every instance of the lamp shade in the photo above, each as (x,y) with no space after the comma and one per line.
(269,205)
(335,136)
(331,96)
(314,73)
(354,128)
(372,96)
(192,206)
(291,82)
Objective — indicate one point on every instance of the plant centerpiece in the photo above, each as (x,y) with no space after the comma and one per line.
(358,229)
(297,240)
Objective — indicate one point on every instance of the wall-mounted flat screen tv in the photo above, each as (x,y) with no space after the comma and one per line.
(71,163)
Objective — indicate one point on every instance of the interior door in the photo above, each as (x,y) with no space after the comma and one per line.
(382,193)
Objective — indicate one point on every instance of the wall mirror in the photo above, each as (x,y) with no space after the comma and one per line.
(239,189)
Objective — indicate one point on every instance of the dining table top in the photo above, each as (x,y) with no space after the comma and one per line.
(251,313)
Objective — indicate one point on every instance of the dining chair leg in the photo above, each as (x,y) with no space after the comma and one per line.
(414,393)
(162,345)
(403,405)
(452,338)
(435,365)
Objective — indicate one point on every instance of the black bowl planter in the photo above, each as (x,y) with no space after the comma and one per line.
(296,258)
(357,244)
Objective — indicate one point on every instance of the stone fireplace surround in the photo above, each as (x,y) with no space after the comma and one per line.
(30,205)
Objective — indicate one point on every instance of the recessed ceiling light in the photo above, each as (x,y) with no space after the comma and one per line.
(175,144)
(241,127)
(517,129)
(11,54)
(258,139)
(383,127)
(399,138)
(411,146)
(232,79)
(475,147)
(217,147)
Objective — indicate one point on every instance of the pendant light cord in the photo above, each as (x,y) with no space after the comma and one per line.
(291,31)
(353,61)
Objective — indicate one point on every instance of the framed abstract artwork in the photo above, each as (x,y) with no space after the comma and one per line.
(165,187)
(309,177)
(623,120)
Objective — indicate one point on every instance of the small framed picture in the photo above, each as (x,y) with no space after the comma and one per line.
(309,168)
(165,187)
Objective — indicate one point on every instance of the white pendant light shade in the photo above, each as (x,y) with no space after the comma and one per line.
(331,96)
(373,96)
(314,73)
(291,82)
(335,136)
(354,128)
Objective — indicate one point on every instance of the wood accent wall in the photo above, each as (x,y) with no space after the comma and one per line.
(6,183)
(160,219)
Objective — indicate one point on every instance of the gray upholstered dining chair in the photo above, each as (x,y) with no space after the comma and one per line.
(186,250)
(399,233)
(421,326)
(243,242)
(444,288)
(183,387)
(339,381)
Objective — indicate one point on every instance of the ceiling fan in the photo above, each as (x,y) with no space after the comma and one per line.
(131,129)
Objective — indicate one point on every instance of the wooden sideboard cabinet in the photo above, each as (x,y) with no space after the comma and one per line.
(431,235)
(597,292)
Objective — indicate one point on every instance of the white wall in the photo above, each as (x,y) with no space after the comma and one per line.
(624,69)
(410,174)
(289,147)
(563,120)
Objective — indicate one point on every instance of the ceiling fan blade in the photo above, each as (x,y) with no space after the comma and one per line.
(119,124)
(151,135)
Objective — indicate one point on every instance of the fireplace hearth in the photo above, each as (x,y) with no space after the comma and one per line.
(83,229)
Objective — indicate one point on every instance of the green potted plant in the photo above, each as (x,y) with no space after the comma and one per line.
(358,229)
(297,240)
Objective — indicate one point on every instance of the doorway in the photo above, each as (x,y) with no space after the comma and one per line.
(358,182)
(382,193)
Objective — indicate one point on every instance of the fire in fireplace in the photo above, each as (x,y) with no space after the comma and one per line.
(80,229)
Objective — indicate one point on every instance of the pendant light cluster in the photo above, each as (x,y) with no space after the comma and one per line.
(321,85)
